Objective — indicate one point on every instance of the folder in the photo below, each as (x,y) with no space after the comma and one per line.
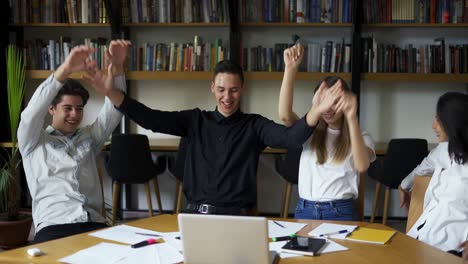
(371,235)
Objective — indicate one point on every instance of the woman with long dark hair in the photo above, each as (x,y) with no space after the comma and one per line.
(444,221)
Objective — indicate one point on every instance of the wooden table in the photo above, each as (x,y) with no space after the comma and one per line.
(401,249)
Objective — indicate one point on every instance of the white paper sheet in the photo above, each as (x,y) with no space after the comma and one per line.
(128,234)
(331,246)
(326,228)
(175,243)
(105,253)
(286,228)
(161,253)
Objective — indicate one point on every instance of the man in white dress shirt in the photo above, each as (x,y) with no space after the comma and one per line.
(59,161)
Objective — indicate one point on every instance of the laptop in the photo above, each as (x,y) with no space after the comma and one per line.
(224,239)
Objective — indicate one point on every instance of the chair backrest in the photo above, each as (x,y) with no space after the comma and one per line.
(288,166)
(130,159)
(403,155)
(417,199)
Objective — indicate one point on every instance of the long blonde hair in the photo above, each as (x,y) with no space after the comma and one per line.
(342,145)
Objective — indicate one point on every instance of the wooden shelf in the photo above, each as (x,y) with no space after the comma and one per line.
(276,76)
(176,25)
(43,74)
(61,25)
(165,75)
(304,76)
(415,77)
(276,24)
(417,25)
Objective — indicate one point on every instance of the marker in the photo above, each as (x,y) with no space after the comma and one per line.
(144,243)
(280,225)
(334,233)
(283,238)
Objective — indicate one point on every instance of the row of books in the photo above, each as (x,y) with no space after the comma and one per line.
(330,57)
(415,11)
(177,11)
(49,54)
(196,56)
(296,11)
(437,57)
(59,11)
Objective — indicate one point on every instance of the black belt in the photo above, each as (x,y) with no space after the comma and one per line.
(211,209)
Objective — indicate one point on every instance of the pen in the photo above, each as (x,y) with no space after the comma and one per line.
(146,234)
(280,225)
(334,233)
(144,243)
(283,238)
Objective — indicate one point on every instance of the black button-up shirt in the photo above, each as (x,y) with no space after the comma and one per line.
(222,152)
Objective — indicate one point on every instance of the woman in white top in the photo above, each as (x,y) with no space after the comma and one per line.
(444,220)
(336,152)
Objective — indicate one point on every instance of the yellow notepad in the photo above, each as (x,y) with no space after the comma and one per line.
(371,235)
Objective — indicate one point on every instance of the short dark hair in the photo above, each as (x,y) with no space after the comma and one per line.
(228,66)
(452,113)
(71,87)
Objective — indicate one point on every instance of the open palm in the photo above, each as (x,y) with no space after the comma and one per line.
(79,59)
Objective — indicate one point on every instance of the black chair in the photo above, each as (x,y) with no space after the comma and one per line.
(131,162)
(288,167)
(176,166)
(403,155)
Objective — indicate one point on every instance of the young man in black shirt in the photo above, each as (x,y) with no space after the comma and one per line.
(224,145)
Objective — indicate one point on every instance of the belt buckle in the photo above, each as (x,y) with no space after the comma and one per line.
(204,209)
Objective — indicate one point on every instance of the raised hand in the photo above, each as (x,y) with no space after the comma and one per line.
(293,56)
(78,60)
(102,83)
(326,98)
(348,105)
(117,54)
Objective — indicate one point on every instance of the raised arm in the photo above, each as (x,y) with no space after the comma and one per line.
(361,153)
(174,123)
(32,117)
(109,117)
(292,59)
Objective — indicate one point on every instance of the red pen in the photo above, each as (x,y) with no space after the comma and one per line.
(144,243)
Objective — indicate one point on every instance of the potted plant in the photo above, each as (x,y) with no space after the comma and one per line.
(14,227)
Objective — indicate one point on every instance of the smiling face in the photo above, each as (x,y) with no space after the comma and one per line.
(67,114)
(439,130)
(333,119)
(227,88)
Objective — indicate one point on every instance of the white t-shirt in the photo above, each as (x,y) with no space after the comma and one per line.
(329,181)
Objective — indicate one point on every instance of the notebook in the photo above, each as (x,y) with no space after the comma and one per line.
(371,235)
(224,239)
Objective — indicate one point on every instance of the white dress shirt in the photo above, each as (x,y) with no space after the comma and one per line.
(61,171)
(329,181)
(438,157)
(445,211)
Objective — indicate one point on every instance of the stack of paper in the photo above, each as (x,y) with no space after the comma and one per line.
(130,234)
(108,253)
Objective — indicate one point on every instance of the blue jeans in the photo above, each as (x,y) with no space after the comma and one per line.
(340,210)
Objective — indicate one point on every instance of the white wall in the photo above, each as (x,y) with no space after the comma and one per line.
(388,110)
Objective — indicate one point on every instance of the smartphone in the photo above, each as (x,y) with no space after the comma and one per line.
(304,245)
